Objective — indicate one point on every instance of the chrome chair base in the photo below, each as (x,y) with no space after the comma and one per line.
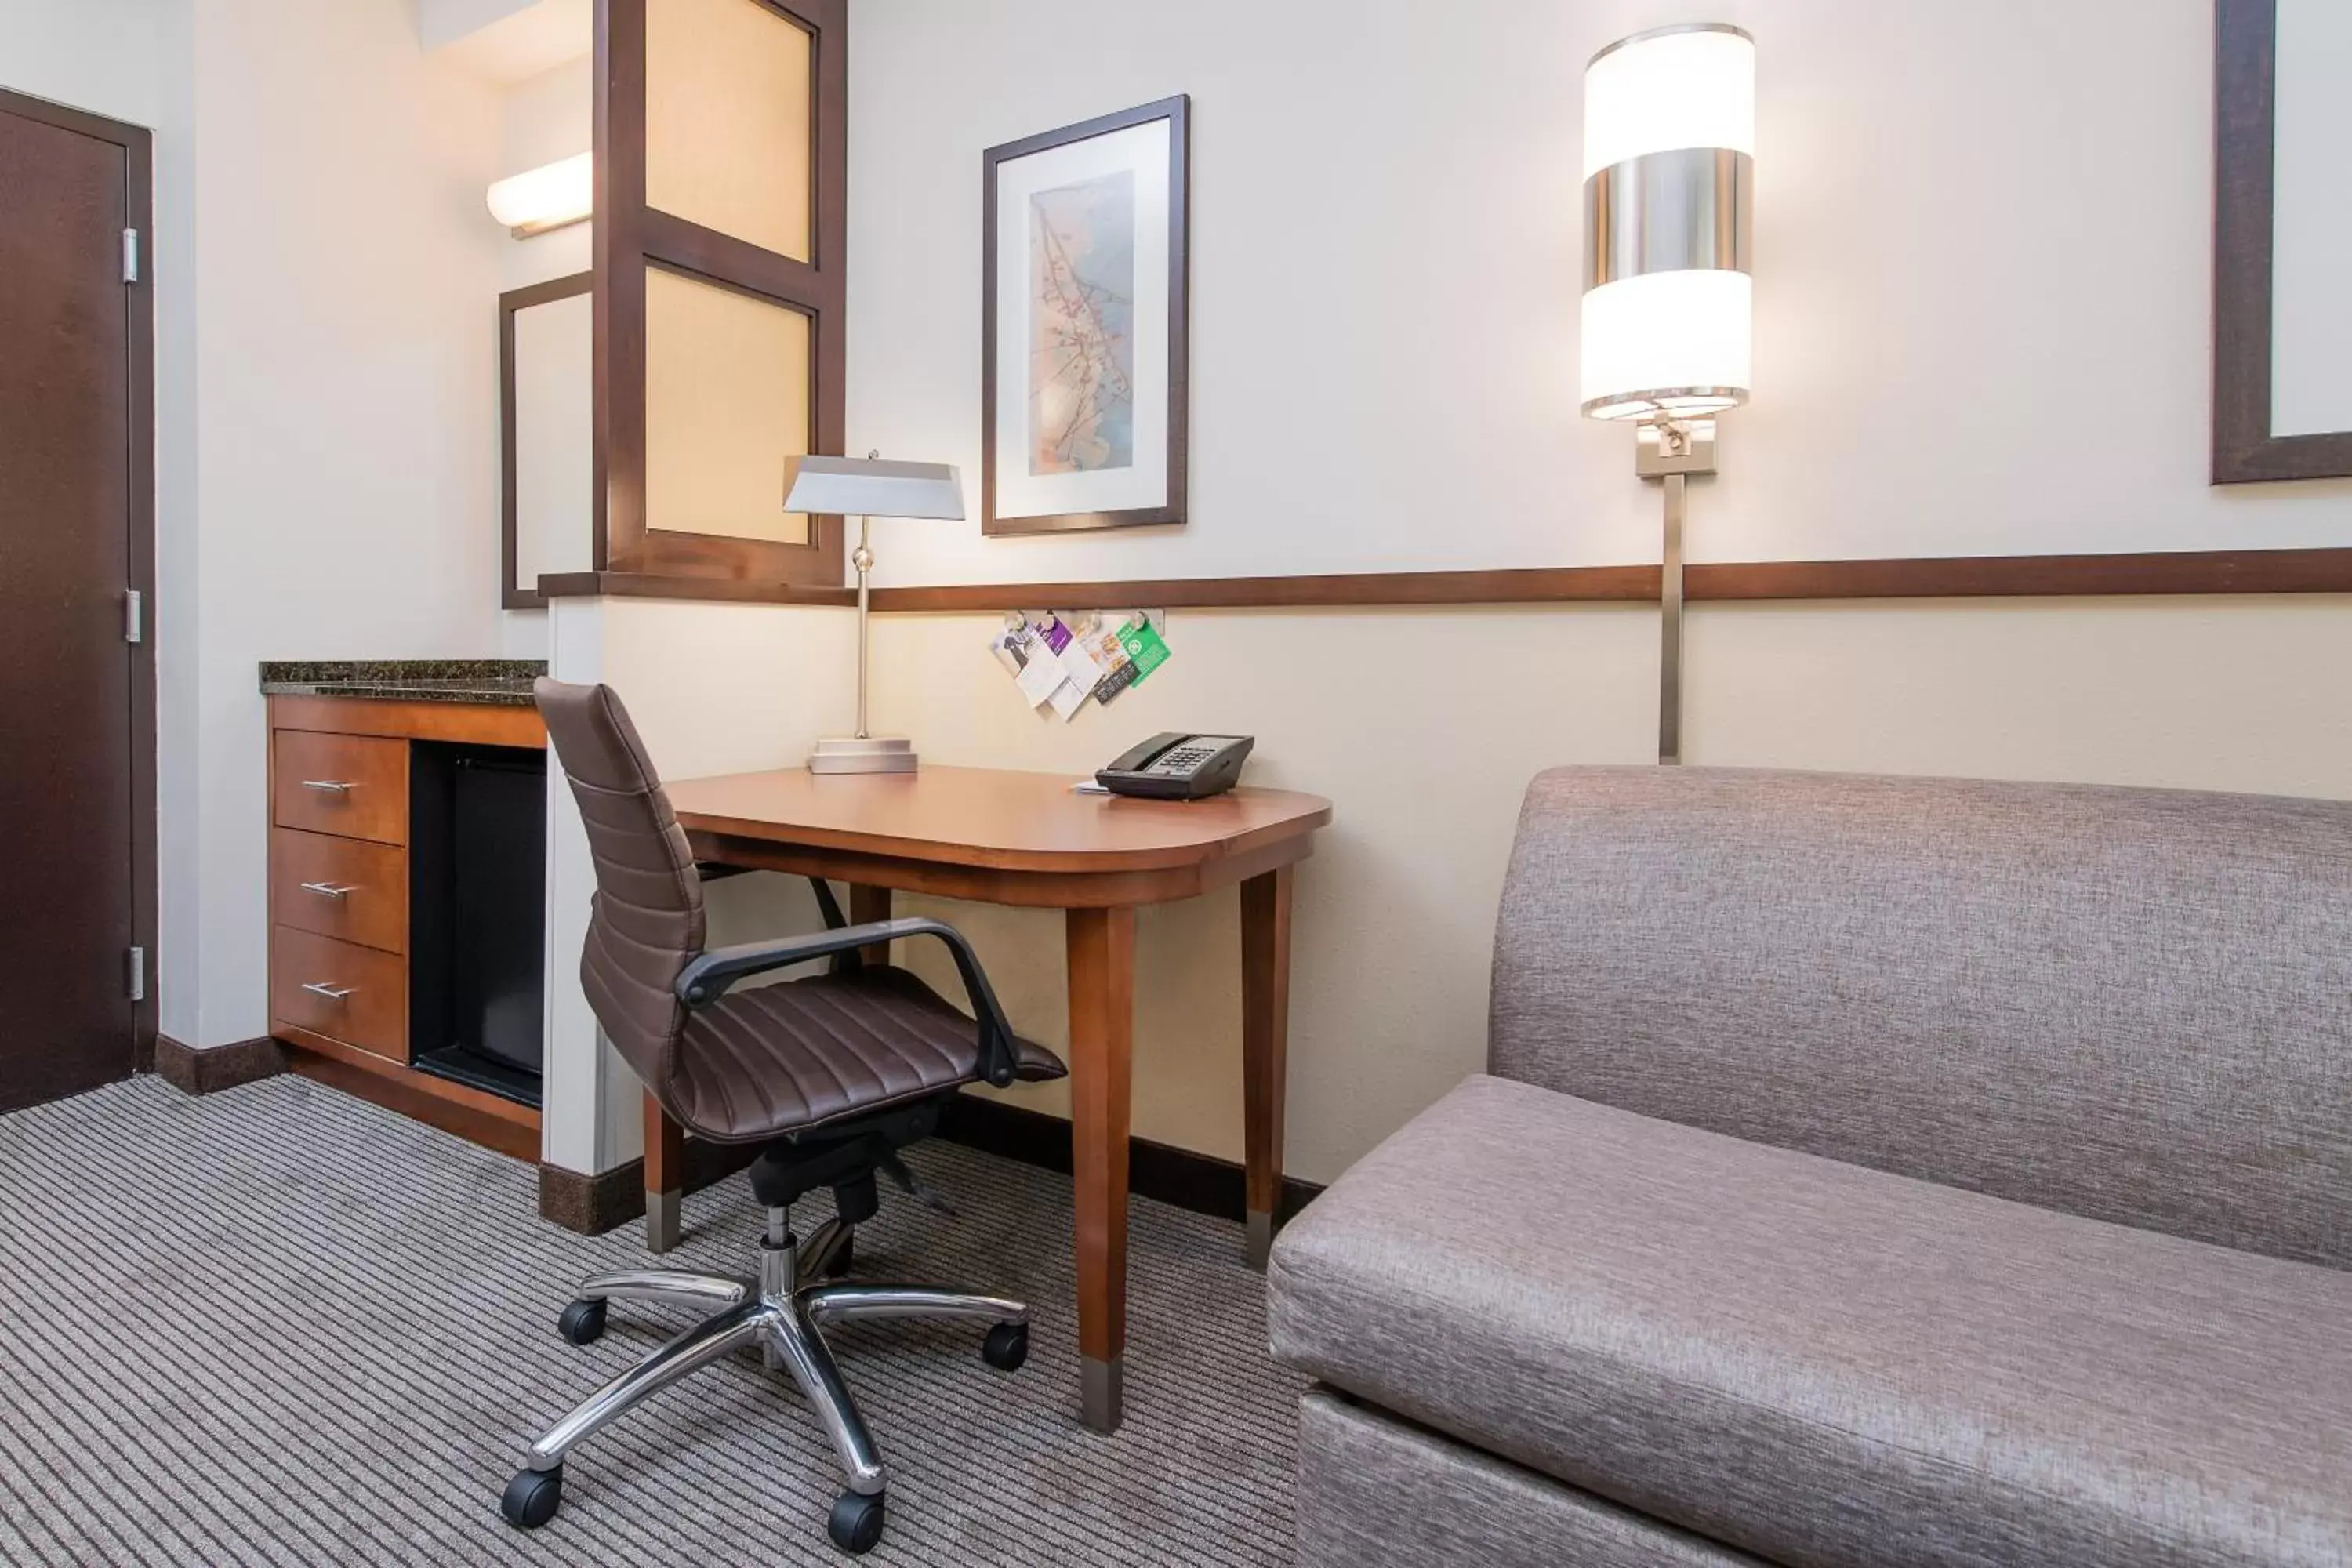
(785,1318)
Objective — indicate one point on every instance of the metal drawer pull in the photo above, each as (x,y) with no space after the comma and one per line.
(329,890)
(331,992)
(332,786)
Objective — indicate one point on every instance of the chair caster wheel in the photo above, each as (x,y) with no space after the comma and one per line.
(1006,1347)
(855,1523)
(531,1498)
(582,1323)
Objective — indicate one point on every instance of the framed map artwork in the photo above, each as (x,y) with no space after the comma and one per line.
(1082,325)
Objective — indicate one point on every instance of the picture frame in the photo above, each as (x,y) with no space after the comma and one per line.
(1084,271)
(2274,289)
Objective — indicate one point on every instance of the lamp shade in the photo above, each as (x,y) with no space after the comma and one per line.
(546,197)
(1669,154)
(874,487)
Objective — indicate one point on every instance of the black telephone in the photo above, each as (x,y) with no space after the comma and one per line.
(1178,767)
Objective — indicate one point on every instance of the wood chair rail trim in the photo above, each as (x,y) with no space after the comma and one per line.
(2116,575)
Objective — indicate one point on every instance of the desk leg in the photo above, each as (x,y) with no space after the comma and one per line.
(1102,1042)
(665,1176)
(1265,1048)
(867,905)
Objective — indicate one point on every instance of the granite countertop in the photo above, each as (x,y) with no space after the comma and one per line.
(497,682)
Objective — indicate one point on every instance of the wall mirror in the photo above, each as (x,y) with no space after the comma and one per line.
(2283,241)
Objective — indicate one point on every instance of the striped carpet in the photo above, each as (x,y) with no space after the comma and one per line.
(277,1325)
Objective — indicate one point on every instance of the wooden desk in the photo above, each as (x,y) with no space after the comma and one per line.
(1025,838)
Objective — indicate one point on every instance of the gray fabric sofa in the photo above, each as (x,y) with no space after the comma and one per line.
(1869,1172)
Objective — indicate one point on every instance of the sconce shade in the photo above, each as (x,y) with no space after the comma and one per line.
(546,197)
(1669,156)
(874,487)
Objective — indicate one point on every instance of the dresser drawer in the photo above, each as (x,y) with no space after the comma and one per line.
(347,888)
(352,994)
(355,785)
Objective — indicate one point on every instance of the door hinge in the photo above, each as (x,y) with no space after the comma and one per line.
(138,974)
(135,615)
(131,256)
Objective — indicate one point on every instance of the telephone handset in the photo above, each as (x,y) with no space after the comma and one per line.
(1177,767)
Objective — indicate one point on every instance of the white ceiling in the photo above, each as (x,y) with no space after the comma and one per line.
(506,41)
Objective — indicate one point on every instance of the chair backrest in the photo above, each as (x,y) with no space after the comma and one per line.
(647,922)
(2133,1004)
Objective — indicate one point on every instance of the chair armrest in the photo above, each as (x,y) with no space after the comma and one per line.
(710,976)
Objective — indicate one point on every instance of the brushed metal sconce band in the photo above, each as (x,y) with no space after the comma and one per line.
(1692,208)
(1668,402)
(1668,30)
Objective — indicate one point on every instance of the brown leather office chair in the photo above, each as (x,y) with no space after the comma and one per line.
(831,1075)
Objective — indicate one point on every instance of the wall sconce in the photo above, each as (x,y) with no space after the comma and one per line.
(554,195)
(1669,156)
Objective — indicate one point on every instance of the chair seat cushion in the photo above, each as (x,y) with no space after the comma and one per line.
(1821,1363)
(768,1059)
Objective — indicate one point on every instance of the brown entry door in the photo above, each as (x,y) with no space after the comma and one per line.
(67,1019)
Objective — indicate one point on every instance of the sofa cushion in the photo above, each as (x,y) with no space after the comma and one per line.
(1377,1492)
(2135,1004)
(1822,1364)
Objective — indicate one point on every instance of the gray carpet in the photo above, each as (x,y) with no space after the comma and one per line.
(277,1325)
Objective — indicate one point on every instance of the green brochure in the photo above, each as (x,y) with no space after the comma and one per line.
(1142,646)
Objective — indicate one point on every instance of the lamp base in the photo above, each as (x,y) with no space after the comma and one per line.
(871,754)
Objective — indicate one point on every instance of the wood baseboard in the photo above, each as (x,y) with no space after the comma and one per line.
(509,1128)
(1199,1182)
(208,1072)
(593,1205)
(610,1199)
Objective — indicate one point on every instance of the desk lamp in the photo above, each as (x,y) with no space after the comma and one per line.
(1669,156)
(869,488)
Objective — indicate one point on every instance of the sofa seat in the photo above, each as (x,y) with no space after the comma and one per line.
(1823,1364)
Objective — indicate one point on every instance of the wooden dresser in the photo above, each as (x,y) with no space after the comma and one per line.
(344,970)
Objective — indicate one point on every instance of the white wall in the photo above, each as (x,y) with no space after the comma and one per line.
(108,56)
(1983,239)
(345,283)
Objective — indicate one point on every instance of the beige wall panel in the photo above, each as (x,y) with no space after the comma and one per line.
(728,95)
(2199,694)
(727,401)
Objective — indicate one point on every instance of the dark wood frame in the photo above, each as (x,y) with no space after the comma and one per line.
(632,237)
(2245,40)
(138,212)
(1175,111)
(510,596)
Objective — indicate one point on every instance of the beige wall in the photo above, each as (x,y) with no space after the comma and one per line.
(1423,727)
